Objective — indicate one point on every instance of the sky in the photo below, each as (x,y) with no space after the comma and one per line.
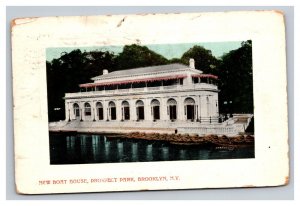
(169,51)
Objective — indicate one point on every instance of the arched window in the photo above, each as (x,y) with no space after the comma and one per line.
(140,110)
(99,108)
(76,110)
(155,111)
(172,109)
(87,109)
(189,108)
(125,110)
(112,110)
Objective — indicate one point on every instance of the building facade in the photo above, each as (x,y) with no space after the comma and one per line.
(168,93)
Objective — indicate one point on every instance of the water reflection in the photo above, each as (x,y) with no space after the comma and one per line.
(106,148)
(120,151)
(182,154)
(134,152)
(149,155)
(83,148)
(165,153)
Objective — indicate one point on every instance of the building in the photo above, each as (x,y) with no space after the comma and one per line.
(174,93)
(172,98)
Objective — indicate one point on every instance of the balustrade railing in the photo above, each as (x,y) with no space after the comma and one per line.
(143,89)
(154,88)
(171,87)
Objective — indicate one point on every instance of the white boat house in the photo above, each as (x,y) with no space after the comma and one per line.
(173,98)
(171,93)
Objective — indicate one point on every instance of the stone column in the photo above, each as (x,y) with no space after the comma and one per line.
(108,112)
(105,109)
(147,109)
(217,104)
(180,108)
(119,110)
(67,111)
(71,110)
(163,109)
(81,111)
(203,102)
(195,111)
(132,109)
(122,113)
(208,105)
(199,107)
(213,105)
(94,112)
(97,114)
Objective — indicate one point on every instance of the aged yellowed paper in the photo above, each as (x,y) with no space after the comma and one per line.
(140,122)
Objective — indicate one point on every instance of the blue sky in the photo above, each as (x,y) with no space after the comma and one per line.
(167,50)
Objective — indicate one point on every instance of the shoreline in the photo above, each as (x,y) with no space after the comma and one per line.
(219,142)
(186,139)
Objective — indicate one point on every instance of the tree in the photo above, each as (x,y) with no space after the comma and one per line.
(134,56)
(97,61)
(236,81)
(67,72)
(204,60)
(176,60)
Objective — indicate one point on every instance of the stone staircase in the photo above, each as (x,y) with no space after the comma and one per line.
(233,126)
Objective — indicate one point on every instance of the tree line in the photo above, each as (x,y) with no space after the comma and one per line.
(234,69)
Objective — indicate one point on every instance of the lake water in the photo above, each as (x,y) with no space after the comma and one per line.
(95,148)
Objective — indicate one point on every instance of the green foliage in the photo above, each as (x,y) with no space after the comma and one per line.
(176,60)
(67,72)
(71,69)
(204,60)
(236,81)
(134,56)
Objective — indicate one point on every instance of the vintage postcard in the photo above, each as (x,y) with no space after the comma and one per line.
(150,102)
